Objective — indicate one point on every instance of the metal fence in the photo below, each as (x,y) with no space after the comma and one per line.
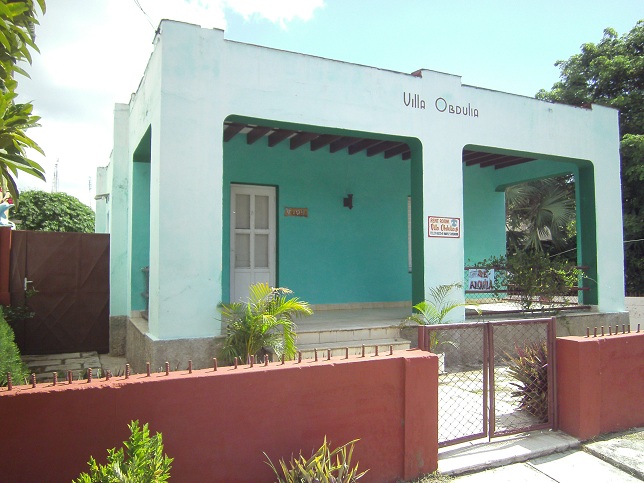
(495,378)
(493,294)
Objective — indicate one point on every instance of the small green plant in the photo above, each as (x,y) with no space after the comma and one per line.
(265,321)
(142,462)
(324,466)
(529,367)
(10,356)
(435,309)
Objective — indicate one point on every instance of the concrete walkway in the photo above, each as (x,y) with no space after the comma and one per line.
(78,362)
(548,457)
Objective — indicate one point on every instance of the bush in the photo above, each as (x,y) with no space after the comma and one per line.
(529,367)
(324,466)
(534,278)
(143,462)
(10,355)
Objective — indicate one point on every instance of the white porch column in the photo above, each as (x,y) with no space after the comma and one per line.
(119,215)
(186,190)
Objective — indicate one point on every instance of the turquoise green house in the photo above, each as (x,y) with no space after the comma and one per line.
(351,185)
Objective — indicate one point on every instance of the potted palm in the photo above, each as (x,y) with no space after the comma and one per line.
(434,311)
(264,323)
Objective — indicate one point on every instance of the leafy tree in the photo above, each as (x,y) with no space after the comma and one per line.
(42,211)
(17,34)
(611,73)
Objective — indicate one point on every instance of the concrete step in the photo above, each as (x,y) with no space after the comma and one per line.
(327,336)
(338,349)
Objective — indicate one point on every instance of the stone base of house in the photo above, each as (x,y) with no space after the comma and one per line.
(118,325)
(576,323)
(140,348)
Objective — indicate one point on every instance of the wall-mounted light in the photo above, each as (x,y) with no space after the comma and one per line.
(348,201)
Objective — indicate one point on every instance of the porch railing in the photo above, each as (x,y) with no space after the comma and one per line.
(488,286)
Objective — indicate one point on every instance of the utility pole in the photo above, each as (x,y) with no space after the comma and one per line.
(54,182)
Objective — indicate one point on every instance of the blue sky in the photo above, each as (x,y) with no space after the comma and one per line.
(93,52)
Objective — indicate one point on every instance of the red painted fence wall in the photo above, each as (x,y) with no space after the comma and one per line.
(600,384)
(217,424)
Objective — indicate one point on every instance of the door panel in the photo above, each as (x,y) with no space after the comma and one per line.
(67,276)
(252,232)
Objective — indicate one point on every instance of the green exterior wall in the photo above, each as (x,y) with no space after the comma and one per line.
(140,223)
(335,255)
(483,215)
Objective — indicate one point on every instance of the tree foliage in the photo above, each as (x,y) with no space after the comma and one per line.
(17,35)
(540,215)
(611,73)
(42,211)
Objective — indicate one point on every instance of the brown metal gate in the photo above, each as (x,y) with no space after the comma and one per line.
(64,279)
(481,390)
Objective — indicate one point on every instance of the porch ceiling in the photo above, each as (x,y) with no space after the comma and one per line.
(315,141)
(485,160)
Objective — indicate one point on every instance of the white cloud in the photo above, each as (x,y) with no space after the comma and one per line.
(276,11)
(93,55)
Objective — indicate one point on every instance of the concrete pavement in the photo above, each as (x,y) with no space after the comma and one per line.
(548,457)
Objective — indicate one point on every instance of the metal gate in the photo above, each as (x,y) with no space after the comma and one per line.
(64,280)
(495,378)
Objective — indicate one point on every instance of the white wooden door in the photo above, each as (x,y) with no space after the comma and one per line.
(252,238)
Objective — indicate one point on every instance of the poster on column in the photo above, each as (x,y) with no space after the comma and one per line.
(480,280)
(444,227)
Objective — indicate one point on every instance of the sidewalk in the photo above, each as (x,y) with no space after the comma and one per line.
(548,457)
(78,362)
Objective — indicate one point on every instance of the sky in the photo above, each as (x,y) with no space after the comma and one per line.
(93,53)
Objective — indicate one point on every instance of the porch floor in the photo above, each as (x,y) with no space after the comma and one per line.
(339,319)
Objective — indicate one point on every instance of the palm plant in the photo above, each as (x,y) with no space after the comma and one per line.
(17,31)
(539,211)
(435,309)
(265,321)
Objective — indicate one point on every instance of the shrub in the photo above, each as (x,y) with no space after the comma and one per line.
(265,321)
(529,367)
(324,466)
(142,462)
(534,278)
(10,355)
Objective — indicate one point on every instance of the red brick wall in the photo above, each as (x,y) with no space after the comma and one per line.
(600,384)
(217,424)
